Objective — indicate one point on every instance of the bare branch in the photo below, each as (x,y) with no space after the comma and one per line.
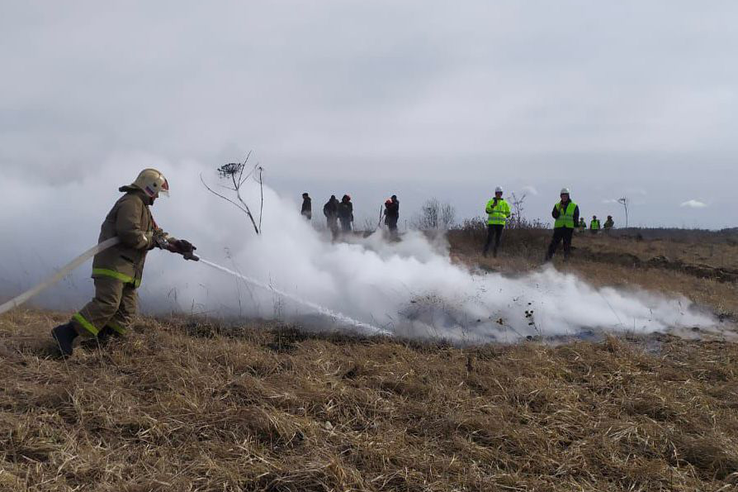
(219,195)
(244,208)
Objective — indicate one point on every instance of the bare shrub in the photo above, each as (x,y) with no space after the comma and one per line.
(434,216)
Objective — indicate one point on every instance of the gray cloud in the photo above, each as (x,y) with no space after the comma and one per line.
(419,98)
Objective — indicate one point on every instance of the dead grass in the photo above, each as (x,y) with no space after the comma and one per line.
(194,406)
(698,250)
(699,265)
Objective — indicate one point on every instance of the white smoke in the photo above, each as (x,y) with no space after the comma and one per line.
(410,288)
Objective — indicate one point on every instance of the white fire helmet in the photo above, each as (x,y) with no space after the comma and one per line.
(152,182)
(498,189)
(565,191)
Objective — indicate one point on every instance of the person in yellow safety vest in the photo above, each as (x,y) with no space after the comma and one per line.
(594,225)
(498,211)
(117,271)
(566,214)
(582,226)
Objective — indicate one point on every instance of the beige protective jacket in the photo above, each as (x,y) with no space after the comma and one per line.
(131,221)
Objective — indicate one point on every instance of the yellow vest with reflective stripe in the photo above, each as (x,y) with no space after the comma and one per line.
(566,217)
(497,214)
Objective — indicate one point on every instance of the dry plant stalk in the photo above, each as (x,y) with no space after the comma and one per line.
(235,173)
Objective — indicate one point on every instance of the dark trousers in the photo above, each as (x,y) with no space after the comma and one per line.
(560,234)
(391,225)
(494,236)
(332,221)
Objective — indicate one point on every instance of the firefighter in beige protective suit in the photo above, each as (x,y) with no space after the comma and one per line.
(117,271)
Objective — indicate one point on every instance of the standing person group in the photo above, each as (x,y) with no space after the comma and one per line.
(339,215)
(336,213)
(566,220)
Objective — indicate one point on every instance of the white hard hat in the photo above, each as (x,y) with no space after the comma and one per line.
(498,189)
(152,182)
(565,191)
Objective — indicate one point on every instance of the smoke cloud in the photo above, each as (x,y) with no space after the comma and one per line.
(409,288)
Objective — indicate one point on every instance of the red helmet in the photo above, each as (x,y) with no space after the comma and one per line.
(388,202)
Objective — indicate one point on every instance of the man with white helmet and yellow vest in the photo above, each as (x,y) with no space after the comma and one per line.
(566,213)
(498,211)
(117,271)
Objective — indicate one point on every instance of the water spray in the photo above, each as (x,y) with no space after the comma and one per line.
(189,255)
(311,305)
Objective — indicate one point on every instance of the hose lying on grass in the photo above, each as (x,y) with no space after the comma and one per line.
(66,270)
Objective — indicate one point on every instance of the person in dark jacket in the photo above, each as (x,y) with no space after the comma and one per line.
(330,210)
(346,213)
(566,213)
(609,224)
(307,206)
(392,214)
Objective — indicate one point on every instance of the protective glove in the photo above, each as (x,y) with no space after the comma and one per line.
(183,247)
(160,239)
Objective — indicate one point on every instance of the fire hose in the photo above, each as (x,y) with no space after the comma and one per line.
(73,265)
(188,255)
(66,270)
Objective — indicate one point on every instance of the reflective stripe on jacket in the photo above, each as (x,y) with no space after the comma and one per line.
(497,213)
(566,216)
(130,219)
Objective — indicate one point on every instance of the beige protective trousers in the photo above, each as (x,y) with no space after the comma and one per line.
(114,306)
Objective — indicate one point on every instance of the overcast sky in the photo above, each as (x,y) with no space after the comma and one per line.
(420,98)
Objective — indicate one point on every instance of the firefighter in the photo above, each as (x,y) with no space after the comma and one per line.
(498,211)
(566,214)
(392,214)
(117,271)
(307,207)
(346,213)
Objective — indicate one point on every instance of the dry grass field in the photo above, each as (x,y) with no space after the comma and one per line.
(198,405)
(700,265)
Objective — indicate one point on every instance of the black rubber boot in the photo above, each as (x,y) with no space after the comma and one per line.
(64,336)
